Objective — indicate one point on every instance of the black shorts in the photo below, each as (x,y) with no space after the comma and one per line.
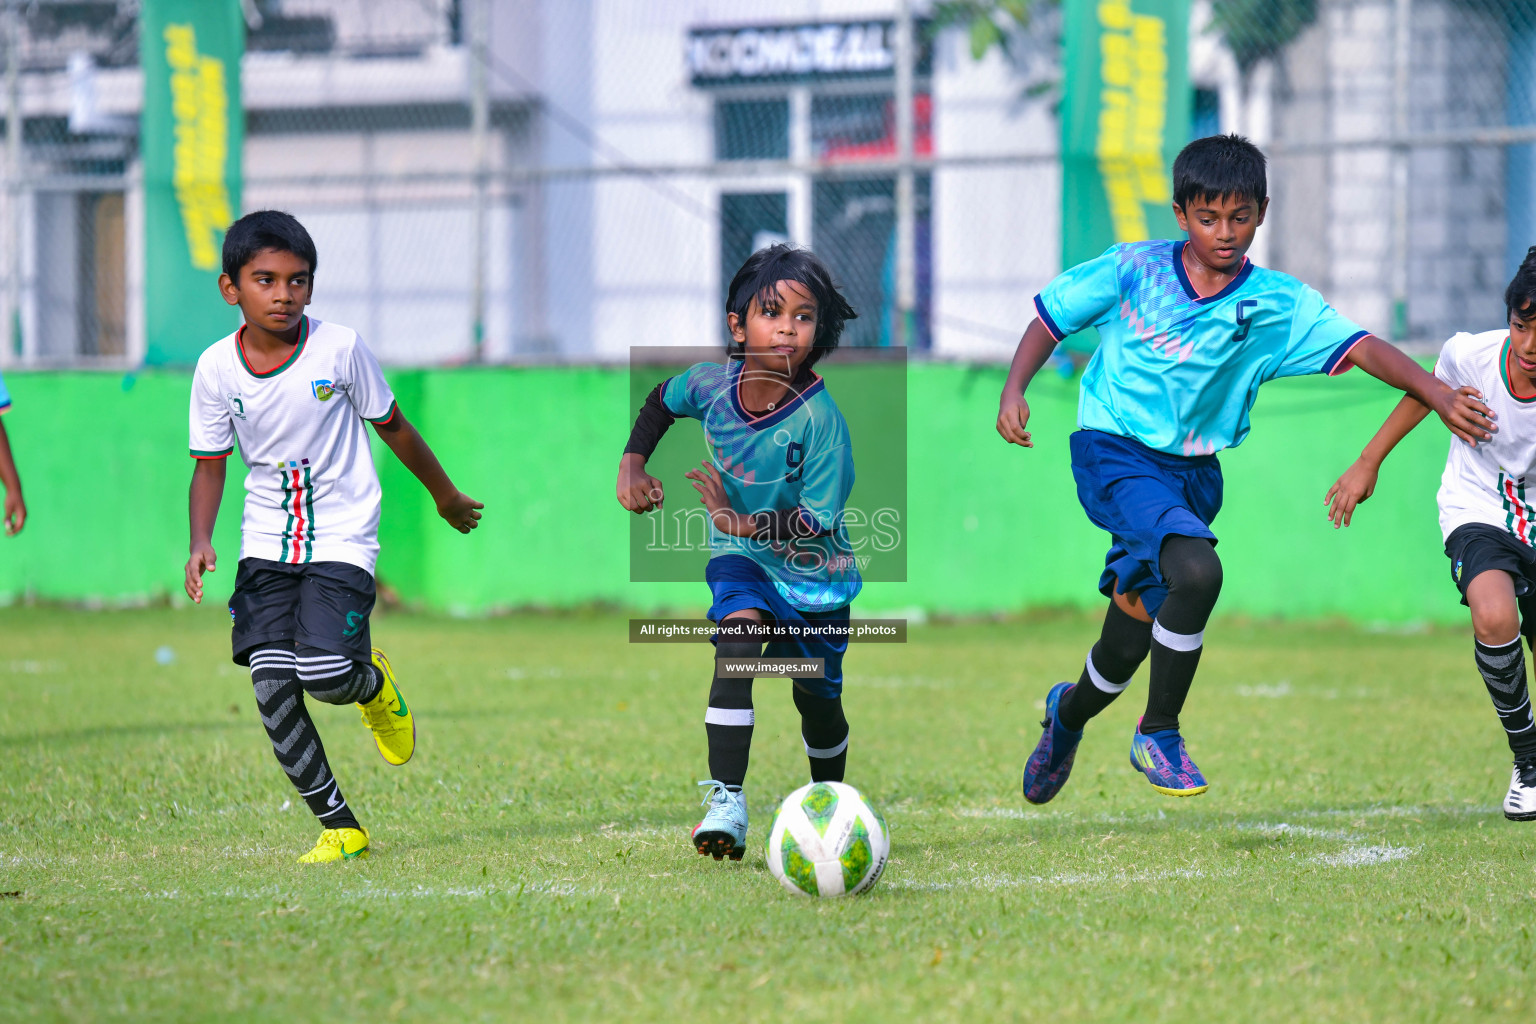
(324,605)
(1475,548)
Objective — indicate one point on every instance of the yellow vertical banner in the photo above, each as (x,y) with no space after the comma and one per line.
(1125,115)
(192,132)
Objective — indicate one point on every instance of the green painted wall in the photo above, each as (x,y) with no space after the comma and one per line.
(992,527)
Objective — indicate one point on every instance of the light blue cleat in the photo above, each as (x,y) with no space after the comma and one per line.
(723,832)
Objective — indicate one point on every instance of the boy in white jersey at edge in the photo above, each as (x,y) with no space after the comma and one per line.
(1188,331)
(295,392)
(776,489)
(1486,518)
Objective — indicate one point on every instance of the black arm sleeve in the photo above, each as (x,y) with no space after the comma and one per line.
(650,425)
(784,524)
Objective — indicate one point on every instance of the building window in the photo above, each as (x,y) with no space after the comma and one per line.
(749,221)
(855,226)
(854,219)
(81,288)
(752,129)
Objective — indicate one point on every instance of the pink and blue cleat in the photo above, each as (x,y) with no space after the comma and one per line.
(1048,767)
(1161,757)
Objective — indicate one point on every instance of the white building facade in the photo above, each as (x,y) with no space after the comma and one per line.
(592,183)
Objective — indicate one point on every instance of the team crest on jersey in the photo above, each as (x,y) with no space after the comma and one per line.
(236,405)
(324,389)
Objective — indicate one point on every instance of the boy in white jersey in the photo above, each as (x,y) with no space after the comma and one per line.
(1486,516)
(294,392)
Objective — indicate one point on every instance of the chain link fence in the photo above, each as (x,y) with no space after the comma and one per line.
(525,180)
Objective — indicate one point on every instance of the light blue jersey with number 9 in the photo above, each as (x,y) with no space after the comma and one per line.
(797,456)
(1179,372)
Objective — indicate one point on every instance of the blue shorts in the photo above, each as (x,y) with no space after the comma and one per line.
(1142,497)
(738,583)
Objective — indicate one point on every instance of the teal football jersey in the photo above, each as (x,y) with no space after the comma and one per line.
(797,456)
(1179,372)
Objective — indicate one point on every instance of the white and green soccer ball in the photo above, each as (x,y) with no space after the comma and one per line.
(826,840)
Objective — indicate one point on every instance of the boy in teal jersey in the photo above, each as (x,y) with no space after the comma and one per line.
(776,484)
(1188,331)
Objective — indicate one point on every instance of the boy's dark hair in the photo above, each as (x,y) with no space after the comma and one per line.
(1520,296)
(265,229)
(1216,167)
(759,277)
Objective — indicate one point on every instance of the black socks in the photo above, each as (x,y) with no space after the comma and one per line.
(825,732)
(729,717)
(1503,671)
(1122,647)
(1193,573)
(295,741)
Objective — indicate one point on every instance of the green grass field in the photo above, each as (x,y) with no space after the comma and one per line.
(1350,861)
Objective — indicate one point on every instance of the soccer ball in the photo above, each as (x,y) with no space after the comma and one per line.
(826,840)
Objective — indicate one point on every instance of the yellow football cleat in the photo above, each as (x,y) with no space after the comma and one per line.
(394,728)
(338,844)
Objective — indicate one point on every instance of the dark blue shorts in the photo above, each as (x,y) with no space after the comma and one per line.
(738,583)
(1142,497)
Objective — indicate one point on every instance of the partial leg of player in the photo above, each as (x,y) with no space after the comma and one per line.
(1050,765)
(388,716)
(723,832)
(338,844)
(1520,801)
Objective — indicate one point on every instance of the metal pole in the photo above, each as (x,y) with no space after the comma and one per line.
(13,175)
(906,199)
(1401,54)
(479,110)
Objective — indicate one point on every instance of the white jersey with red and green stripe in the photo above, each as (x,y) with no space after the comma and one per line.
(1494,483)
(311,490)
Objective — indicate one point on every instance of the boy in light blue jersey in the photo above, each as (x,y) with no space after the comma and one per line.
(776,484)
(1188,331)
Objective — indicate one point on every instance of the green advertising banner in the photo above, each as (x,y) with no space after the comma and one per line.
(192,131)
(1125,117)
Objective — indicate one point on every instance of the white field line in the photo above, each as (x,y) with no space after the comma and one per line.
(1023,814)
(1364,856)
(1269,690)
(1371,811)
(1352,856)
(31,668)
(1305,832)
(545,887)
(1398,811)
(1074,879)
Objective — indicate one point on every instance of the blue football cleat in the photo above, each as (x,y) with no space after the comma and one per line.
(723,832)
(1161,757)
(1048,767)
